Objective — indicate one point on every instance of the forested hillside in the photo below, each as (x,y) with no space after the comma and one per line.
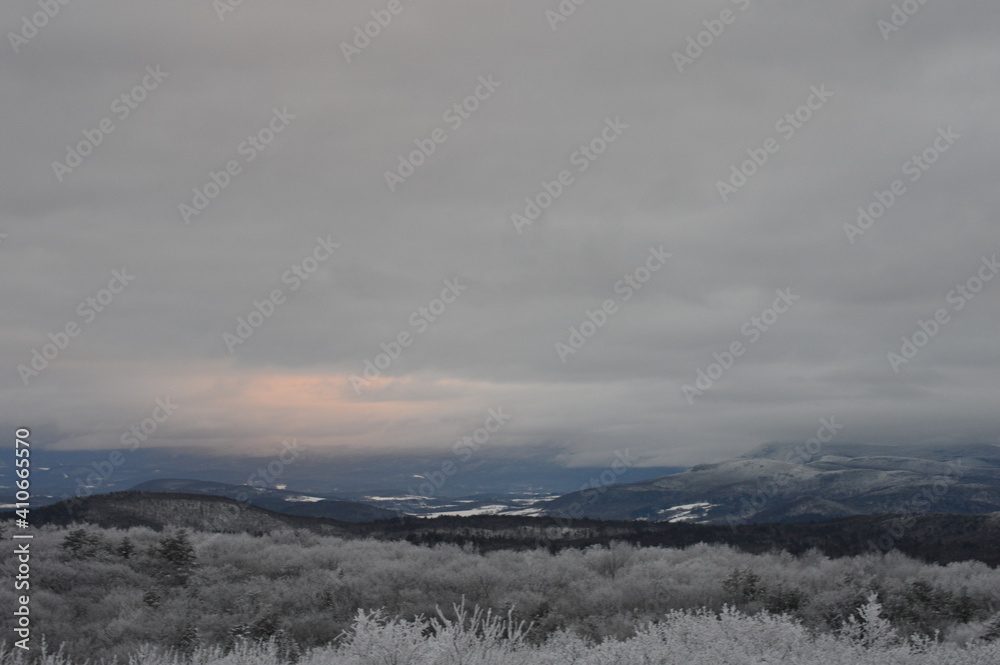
(930,537)
(105,593)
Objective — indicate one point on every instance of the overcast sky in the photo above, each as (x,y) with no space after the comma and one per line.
(670,120)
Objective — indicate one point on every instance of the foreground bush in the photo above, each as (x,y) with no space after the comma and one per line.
(476,637)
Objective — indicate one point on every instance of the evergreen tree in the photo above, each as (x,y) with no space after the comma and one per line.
(80,544)
(993,630)
(744,584)
(126,549)
(178,555)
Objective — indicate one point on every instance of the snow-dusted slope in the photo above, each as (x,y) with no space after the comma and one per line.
(778,482)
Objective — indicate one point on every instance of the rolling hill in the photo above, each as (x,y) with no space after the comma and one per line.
(280,501)
(188,511)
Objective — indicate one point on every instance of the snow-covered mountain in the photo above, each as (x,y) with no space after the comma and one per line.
(781,483)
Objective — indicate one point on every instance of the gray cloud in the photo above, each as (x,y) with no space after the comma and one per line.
(323,176)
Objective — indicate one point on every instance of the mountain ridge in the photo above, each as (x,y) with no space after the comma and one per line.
(835,480)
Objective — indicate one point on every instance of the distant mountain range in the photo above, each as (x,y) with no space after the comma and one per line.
(522,472)
(771,484)
(788,483)
(933,537)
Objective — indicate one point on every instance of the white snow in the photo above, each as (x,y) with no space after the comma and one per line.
(482,510)
(527,512)
(685,512)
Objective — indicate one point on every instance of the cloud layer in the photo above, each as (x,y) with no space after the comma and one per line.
(740,137)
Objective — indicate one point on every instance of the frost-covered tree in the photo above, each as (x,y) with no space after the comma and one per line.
(869,628)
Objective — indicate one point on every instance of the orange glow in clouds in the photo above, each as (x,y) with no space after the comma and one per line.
(332,396)
(252,410)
